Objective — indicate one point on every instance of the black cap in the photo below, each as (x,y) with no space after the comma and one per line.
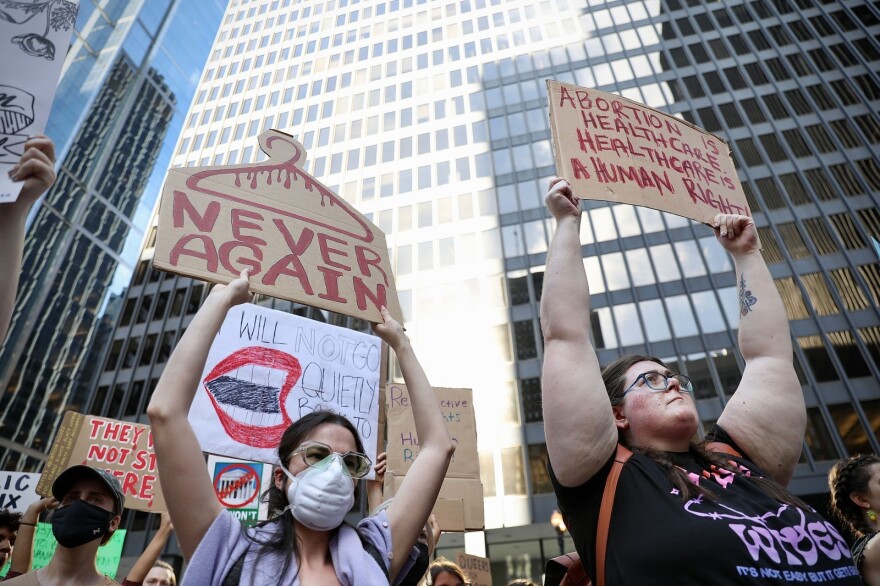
(64,481)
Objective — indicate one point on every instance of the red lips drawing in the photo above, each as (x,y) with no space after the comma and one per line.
(253,413)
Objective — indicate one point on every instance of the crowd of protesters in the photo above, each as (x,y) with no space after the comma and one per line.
(686,509)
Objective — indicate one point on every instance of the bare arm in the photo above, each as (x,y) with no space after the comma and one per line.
(185,482)
(766,415)
(37,169)
(145,563)
(375,487)
(23,554)
(578,420)
(413,502)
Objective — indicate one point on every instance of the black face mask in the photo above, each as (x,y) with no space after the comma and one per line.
(417,572)
(79,523)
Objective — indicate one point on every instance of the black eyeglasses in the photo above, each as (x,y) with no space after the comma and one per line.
(657,381)
(318,455)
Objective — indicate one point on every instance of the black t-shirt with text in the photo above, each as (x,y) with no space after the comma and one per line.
(744,537)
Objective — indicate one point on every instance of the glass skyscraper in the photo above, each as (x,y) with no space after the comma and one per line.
(130,71)
(431,118)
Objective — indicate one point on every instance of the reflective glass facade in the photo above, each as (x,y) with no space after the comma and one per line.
(127,81)
(431,118)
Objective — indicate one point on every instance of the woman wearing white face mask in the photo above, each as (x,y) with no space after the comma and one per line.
(321,459)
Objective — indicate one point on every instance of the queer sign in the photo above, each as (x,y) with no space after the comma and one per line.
(478,569)
(613,149)
(301,241)
(268,368)
(123,448)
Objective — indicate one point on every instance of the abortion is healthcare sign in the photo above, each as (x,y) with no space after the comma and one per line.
(614,149)
(267,368)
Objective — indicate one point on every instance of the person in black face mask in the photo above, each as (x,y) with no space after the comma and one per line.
(91,506)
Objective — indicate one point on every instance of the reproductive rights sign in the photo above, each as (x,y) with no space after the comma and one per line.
(266,369)
(614,149)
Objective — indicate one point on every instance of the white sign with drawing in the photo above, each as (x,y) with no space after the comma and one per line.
(34,37)
(267,368)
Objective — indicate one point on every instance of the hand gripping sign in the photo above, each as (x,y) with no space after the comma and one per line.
(613,149)
(301,241)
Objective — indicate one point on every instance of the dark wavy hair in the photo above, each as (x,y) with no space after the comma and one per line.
(614,377)
(441,565)
(10,520)
(284,539)
(845,478)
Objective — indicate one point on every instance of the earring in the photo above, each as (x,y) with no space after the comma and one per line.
(872,515)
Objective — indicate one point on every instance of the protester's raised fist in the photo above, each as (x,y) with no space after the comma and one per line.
(36,168)
(390,331)
(236,292)
(737,234)
(561,201)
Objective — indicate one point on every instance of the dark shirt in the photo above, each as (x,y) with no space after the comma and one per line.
(744,537)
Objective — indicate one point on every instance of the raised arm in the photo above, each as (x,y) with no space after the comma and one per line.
(145,563)
(578,421)
(185,482)
(23,554)
(766,415)
(413,502)
(375,487)
(37,169)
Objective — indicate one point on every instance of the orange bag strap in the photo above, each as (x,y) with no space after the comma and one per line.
(605,508)
(576,571)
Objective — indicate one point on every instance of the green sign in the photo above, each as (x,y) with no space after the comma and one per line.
(44,548)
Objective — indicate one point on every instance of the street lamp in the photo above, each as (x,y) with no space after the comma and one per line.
(558,524)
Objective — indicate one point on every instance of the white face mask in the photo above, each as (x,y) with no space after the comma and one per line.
(320,497)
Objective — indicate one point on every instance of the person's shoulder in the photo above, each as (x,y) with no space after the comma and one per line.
(29,579)
(858,548)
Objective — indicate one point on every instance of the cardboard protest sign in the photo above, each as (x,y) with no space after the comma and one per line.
(123,448)
(457,406)
(478,569)
(268,368)
(459,506)
(614,149)
(239,485)
(108,554)
(302,241)
(18,490)
(34,37)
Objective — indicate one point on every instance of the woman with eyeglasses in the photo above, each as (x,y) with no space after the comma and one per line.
(321,460)
(685,512)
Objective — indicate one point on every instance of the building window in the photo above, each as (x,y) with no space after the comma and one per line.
(791,298)
(819,294)
(820,236)
(848,353)
(538,470)
(817,357)
(793,241)
(513,473)
(524,336)
(851,430)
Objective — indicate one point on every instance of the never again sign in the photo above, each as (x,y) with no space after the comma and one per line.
(613,149)
(301,241)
